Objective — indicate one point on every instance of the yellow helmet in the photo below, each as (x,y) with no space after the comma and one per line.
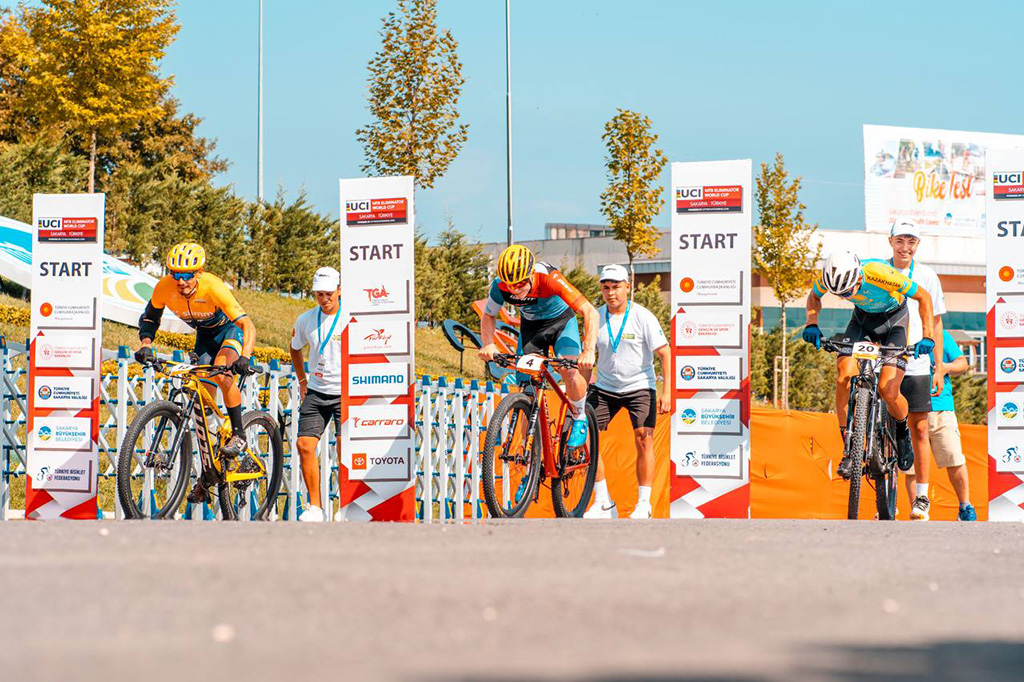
(186,257)
(515,264)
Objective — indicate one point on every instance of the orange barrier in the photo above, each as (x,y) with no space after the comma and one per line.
(792,470)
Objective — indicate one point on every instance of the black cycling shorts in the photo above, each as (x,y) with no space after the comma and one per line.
(316,412)
(642,406)
(210,341)
(918,392)
(885,329)
(561,333)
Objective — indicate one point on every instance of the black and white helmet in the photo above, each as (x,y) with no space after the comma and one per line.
(841,273)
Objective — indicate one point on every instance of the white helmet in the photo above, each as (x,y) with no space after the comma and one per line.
(841,272)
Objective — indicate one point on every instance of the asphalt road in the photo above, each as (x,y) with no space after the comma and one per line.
(532,600)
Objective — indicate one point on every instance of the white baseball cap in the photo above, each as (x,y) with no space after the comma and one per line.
(614,273)
(904,227)
(326,279)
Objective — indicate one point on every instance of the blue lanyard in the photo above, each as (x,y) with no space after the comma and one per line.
(911,274)
(319,331)
(608,324)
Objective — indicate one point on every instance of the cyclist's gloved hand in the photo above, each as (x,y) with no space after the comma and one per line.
(241,367)
(812,335)
(144,355)
(923,347)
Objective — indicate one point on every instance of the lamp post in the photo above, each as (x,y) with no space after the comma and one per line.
(508,120)
(259,115)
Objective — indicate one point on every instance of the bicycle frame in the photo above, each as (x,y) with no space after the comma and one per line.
(540,412)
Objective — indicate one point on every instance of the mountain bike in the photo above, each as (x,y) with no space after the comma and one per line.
(154,464)
(524,446)
(870,429)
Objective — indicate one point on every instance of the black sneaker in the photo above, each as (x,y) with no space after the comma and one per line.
(845,469)
(904,448)
(198,493)
(234,447)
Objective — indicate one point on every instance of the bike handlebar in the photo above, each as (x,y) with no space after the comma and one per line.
(840,346)
(209,370)
(510,360)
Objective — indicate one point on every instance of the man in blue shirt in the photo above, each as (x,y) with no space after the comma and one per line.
(944,431)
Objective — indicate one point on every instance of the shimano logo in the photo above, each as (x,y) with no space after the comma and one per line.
(386,379)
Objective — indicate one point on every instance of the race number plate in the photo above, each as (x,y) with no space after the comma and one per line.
(862,350)
(530,364)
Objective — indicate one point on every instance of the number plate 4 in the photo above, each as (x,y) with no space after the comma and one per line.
(530,364)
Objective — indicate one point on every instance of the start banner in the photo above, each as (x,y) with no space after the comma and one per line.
(64,359)
(710,435)
(377,349)
(1004,301)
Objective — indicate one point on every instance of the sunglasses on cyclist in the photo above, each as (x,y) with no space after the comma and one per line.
(183,276)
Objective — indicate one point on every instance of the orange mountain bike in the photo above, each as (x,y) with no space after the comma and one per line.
(521,434)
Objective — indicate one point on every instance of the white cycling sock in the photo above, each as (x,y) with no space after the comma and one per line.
(645,494)
(581,407)
(601,493)
(922,489)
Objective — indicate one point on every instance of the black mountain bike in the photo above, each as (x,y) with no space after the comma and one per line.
(870,430)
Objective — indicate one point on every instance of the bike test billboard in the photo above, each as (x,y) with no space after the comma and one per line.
(378,349)
(710,438)
(935,178)
(65,345)
(1004,302)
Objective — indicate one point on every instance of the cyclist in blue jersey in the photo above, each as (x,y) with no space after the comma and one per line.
(879,294)
(548,304)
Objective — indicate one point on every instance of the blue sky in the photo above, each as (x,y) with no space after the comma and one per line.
(719,81)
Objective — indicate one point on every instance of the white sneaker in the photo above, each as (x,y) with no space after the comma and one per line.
(337,516)
(642,511)
(919,510)
(313,514)
(600,511)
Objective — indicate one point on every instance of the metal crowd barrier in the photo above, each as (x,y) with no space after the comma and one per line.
(450,422)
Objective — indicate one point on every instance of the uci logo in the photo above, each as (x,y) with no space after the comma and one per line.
(689,192)
(1008,365)
(1015,178)
(357,206)
(49,223)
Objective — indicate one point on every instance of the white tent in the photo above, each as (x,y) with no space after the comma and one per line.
(126,289)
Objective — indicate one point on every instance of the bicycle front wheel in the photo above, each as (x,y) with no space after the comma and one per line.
(570,492)
(152,474)
(886,483)
(858,436)
(253,495)
(510,471)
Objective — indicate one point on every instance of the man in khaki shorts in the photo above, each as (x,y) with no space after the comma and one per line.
(944,432)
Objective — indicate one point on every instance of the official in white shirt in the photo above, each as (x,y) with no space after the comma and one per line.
(628,337)
(320,389)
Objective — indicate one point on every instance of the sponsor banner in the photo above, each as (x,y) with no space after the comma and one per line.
(939,179)
(1009,365)
(62,433)
(1006,450)
(1009,411)
(718,329)
(710,456)
(64,472)
(713,287)
(706,416)
(68,313)
(378,379)
(378,421)
(369,252)
(380,295)
(65,351)
(1009,321)
(708,372)
(710,199)
(379,460)
(376,211)
(67,229)
(65,393)
(387,336)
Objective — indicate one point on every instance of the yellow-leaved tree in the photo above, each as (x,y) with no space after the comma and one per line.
(783,251)
(631,199)
(415,83)
(90,66)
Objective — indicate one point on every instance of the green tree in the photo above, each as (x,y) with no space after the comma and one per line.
(813,374)
(91,65)
(42,165)
(631,200)
(584,280)
(450,276)
(415,83)
(649,296)
(14,46)
(783,250)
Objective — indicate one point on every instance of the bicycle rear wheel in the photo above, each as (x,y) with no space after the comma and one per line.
(886,483)
(570,493)
(151,479)
(255,499)
(510,472)
(858,436)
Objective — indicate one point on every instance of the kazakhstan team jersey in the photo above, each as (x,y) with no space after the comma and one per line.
(211,305)
(882,290)
(550,297)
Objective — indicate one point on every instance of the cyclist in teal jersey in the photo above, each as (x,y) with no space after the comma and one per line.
(879,294)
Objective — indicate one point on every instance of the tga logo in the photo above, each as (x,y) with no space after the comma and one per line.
(687,372)
(689,416)
(376,293)
(379,379)
(1010,411)
(1008,365)
(44,433)
(45,392)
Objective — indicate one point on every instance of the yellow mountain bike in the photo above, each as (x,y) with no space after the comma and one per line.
(155,467)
